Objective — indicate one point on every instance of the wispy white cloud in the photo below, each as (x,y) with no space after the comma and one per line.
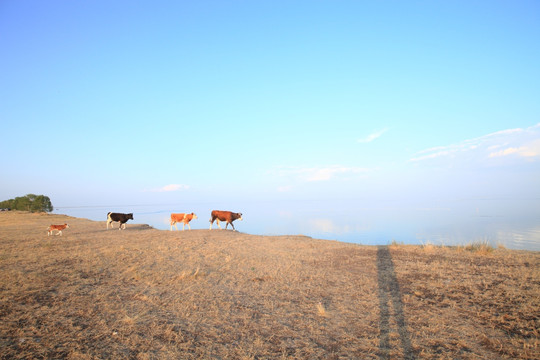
(171,187)
(529,150)
(518,142)
(375,135)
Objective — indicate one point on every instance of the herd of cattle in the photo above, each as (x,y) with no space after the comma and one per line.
(216,215)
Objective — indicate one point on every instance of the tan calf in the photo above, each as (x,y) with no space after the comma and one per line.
(58,228)
(183,218)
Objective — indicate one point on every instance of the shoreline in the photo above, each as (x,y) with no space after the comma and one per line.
(366,240)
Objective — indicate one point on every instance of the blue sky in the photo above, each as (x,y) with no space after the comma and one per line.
(135,102)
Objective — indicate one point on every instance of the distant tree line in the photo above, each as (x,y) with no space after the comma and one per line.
(30,202)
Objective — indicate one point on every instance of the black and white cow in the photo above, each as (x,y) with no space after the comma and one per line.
(118,217)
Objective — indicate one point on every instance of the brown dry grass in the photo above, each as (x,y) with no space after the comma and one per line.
(149,294)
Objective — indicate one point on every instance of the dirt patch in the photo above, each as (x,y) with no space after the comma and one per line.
(142,293)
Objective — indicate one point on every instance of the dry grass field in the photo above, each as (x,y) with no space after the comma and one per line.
(143,293)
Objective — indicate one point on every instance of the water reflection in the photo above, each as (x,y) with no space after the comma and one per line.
(452,225)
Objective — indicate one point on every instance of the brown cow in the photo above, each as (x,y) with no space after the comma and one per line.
(227,216)
(58,228)
(184,218)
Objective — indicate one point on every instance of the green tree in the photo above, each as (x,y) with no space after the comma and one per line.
(42,203)
(6,204)
(21,203)
(30,202)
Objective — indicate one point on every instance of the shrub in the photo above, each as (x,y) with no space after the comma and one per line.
(482,247)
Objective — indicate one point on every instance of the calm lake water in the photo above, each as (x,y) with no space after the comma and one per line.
(511,223)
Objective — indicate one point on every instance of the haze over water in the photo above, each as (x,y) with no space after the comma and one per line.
(511,223)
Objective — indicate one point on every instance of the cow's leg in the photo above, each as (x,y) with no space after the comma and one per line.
(233,226)
(212,219)
(219,226)
(60,232)
(189,226)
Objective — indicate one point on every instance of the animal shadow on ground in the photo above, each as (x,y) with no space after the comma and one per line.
(390,305)
(131,227)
